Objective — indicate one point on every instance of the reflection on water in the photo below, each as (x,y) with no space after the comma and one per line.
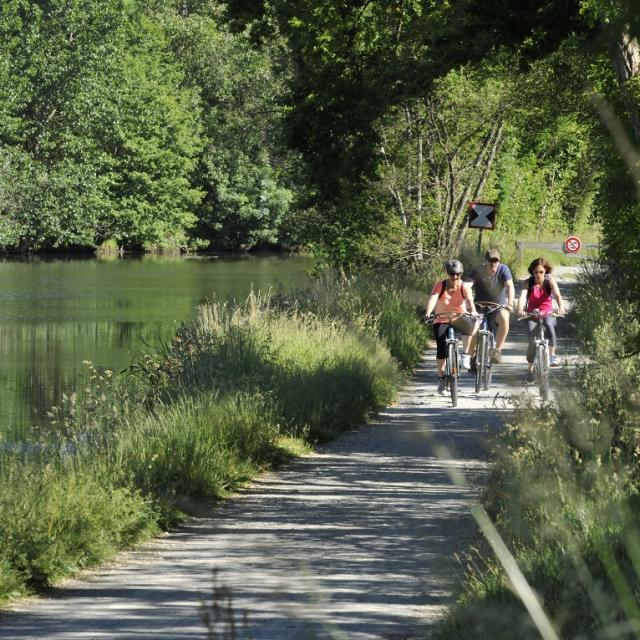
(55,313)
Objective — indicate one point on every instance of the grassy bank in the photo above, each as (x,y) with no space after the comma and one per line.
(239,389)
(564,496)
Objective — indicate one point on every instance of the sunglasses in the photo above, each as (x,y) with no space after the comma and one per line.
(455,275)
(494,260)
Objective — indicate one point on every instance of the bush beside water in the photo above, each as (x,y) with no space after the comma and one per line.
(564,495)
(239,388)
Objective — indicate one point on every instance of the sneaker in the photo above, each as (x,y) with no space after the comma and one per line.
(466,361)
(497,356)
(441,386)
(554,361)
(529,379)
(473,365)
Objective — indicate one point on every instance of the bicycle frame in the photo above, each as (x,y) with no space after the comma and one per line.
(541,357)
(451,363)
(485,345)
(452,346)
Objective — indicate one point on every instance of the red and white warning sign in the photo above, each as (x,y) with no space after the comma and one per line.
(572,244)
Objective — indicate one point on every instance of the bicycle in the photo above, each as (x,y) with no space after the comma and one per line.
(485,344)
(541,359)
(452,346)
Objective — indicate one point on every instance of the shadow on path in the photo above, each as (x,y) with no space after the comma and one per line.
(358,538)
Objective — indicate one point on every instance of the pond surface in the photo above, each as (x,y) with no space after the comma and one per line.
(56,313)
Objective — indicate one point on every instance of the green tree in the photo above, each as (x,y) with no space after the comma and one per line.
(245,170)
(100,141)
(438,153)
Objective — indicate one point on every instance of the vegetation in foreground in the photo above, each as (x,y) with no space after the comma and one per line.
(564,495)
(240,388)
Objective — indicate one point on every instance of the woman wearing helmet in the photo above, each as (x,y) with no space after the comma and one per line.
(451,296)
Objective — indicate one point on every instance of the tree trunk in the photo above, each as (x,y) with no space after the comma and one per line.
(420,162)
(627,66)
(487,153)
(494,148)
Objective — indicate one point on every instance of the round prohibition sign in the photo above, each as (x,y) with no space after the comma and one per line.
(572,244)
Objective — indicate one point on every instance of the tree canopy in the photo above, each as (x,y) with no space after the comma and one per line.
(359,129)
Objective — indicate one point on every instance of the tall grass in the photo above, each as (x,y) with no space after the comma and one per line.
(62,513)
(386,305)
(199,447)
(564,496)
(188,424)
(321,375)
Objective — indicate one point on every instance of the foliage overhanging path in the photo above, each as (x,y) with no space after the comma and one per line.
(357,541)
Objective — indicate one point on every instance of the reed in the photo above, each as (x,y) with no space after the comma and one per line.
(241,388)
(563,497)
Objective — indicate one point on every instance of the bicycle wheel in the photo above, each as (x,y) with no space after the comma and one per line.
(481,349)
(542,358)
(452,356)
(488,368)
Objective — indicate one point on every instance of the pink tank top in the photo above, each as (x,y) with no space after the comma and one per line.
(539,299)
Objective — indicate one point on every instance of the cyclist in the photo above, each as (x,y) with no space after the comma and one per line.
(538,293)
(451,296)
(493,282)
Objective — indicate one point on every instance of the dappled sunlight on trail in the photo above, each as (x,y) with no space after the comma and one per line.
(357,541)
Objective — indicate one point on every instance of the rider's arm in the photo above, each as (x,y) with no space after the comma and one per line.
(511,292)
(471,306)
(522,301)
(431,304)
(558,295)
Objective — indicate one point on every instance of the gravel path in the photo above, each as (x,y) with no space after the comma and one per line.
(356,541)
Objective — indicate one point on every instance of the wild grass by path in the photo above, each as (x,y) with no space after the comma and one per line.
(564,497)
(240,389)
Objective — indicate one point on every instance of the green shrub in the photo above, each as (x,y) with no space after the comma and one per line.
(564,494)
(59,516)
(191,422)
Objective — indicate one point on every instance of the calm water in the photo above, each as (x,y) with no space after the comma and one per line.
(55,313)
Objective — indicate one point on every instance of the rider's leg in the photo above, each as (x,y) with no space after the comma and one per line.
(472,341)
(468,327)
(440,334)
(531,347)
(502,320)
(550,326)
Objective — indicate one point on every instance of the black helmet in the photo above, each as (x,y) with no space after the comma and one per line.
(454,266)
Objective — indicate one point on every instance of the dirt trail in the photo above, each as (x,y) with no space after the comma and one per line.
(355,542)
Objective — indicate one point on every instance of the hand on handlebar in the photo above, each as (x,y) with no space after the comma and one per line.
(523,313)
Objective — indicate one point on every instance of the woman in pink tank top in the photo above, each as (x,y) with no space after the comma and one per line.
(537,295)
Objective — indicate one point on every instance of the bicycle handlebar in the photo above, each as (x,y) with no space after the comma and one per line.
(450,315)
(491,307)
(540,316)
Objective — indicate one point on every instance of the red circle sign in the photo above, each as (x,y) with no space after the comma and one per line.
(572,244)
